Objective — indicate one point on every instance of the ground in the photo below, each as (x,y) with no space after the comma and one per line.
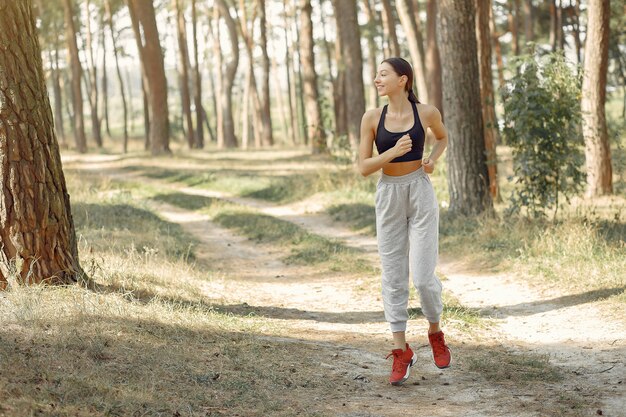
(314,332)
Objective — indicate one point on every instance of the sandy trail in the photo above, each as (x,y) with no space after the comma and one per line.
(573,331)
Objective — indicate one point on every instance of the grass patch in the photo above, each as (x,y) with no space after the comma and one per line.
(121,227)
(306,248)
(517,368)
(359,216)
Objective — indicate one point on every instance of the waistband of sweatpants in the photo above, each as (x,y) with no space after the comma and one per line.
(403,179)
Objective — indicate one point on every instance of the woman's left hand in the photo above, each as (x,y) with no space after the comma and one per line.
(429,165)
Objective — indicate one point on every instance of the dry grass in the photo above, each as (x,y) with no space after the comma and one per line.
(152,340)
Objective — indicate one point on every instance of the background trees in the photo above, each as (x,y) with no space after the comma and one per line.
(255,73)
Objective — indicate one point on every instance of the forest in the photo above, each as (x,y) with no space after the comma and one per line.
(185,230)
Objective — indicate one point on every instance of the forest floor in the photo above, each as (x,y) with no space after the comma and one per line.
(274,308)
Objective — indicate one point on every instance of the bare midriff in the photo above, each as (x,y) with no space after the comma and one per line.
(401,168)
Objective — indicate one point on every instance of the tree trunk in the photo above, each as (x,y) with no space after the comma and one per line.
(299,92)
(67,89)
(495,36)
(560,35)
(212,91)
(513,19)
(150,52)
(266,119)
(36,226)
(246,130)
(487,98)
(389,25)
(346,11)
(311,103)
(339,89)
(286,124)
(576,25)
(109,17)
(371,49)
(529,15)
(77,72)
(197,96)
(416,46)
(468,179)
(247,33)
(433,62)
(93,82)
(226,129)
(291,85)
(183,55)
(58,95)
(597,149)
(104,79)
(146,111)
(131,119)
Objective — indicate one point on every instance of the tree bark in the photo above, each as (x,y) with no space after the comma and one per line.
(349,32)
(487,98)
(299,92)
(597,148)
(150,52)
(416,46)
(252,94)
(291,85)
(36,226)
(77,71)
(93,82)
(104,79)
(433,62)
(311,102)
(513,18)
(226,126)
(576,25)
(58,95)
(468,180)
(183,55)
(371,49)
(529,16)
(389,25)
(120,80)
(266,119)
(197,97)
(339,88)
(495,36)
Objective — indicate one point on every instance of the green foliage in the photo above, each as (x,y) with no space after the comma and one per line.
(542,126)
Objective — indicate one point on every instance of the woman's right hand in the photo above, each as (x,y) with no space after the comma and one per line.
(403,145)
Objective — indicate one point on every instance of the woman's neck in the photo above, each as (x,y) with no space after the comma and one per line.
(398,103)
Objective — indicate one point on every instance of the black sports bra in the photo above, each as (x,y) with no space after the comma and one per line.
(386,140)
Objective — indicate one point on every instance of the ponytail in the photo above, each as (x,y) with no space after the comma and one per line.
(413,97)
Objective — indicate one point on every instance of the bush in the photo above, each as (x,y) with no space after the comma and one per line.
(542,126)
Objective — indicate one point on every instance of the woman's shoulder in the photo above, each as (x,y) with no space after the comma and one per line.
(373,114)
(428,111)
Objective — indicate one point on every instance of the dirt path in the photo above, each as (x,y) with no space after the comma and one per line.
(330,311)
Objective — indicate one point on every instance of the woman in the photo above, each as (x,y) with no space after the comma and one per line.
(407,212)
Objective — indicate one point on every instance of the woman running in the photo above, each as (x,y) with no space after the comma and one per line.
(407,212)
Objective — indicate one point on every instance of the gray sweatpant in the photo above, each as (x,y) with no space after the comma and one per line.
(407,227)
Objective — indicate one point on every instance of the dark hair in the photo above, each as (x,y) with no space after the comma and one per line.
(402,67)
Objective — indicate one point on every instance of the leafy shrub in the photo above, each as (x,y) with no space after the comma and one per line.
(542,126)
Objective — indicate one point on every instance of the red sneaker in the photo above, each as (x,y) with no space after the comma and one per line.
(402,362)
(441,352)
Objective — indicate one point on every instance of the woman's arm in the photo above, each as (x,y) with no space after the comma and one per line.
(434,123)
(439,130)
(368,164)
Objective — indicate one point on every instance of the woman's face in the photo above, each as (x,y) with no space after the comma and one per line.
(387,80)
